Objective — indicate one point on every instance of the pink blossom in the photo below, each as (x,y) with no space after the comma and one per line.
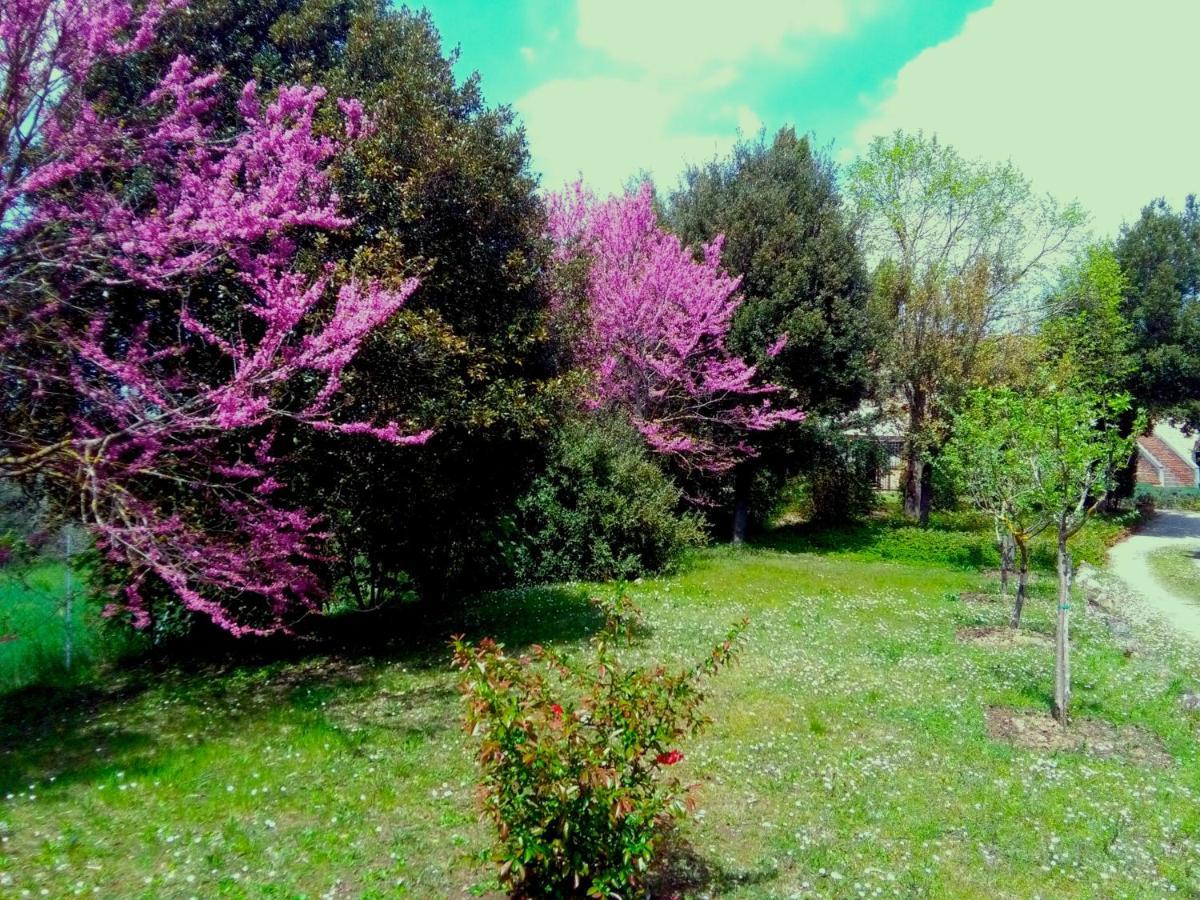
(655,331)
(148,423)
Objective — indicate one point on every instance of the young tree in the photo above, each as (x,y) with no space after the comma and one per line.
(955,243)
(156,419)
(1072,445)
(984,453)
(1042,459)
(804,322)
(652,331)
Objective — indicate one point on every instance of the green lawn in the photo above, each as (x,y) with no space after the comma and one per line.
(33,629)
(1179,570)
(849,754)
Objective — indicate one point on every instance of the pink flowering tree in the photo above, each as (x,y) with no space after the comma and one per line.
(155,420)
(651,329)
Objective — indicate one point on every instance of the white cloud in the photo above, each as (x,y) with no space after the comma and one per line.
(748,122)
(1091,100)
(528,54)
(609,129)
(685,36)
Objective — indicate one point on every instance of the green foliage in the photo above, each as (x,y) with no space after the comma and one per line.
(839,477)
(789,238)
(963,539)
(957,241)
(1086,337)
(34,626)
(442,190)
(573,756)
(601,509)
(1184,498)
(1160,256)
(444,181)
(986,458)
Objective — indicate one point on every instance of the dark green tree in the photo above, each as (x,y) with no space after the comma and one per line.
(803,276)
(1160,257)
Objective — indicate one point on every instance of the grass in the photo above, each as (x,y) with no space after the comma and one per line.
(957,539)
(33,629)
(1180,570)
(848,757)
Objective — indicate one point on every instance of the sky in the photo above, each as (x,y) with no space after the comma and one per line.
(1094,100)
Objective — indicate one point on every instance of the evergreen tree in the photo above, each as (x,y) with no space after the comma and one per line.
(804,321)
(1160,257)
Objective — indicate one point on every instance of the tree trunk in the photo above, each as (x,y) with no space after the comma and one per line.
(742,480)
(68,603)
(926,503)
(918,487)
(1062,639)
(916,467)
(1022,584)
(912,483)
(1005,542)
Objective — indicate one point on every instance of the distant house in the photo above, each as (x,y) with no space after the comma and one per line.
(1167,458)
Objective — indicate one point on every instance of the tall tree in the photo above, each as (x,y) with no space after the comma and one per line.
(1160,257)
(155,420)
(958,245)
(804,321)
(440,189)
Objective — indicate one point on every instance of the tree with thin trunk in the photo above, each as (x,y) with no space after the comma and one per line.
(1072,445)
(957,246)
(984,455)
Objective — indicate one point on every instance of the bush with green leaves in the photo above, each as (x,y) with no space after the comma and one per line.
(1168,497)
(575,756)
(601,509)
(841,478)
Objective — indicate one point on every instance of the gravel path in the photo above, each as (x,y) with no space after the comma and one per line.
(1129,562)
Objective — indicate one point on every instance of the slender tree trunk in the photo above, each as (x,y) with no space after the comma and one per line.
(926,502)
(912,483)
(1022,584)
(743,478)
(1005,542)
(68,603)
(1062,642)
(916,467)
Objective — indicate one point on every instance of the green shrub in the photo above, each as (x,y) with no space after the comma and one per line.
(602,509)
(836,482)
(841,480)
(961,538)
(574,757)
(1168,497)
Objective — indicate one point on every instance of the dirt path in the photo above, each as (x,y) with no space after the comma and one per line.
(1129,562)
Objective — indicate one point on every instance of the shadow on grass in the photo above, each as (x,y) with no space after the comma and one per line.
(330,671)
(952,540)
(681,871)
